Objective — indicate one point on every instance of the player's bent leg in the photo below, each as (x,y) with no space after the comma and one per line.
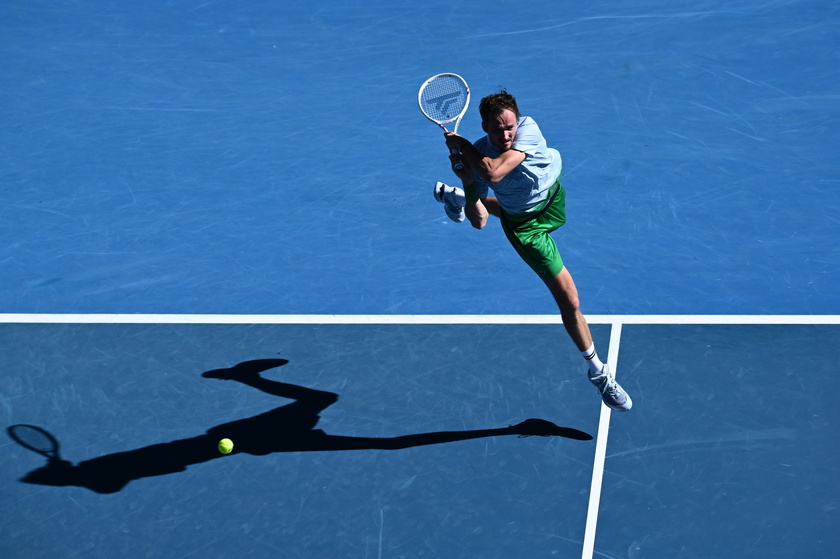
(565,293)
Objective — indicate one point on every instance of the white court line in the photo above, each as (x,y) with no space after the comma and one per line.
(37,318)
(600,453)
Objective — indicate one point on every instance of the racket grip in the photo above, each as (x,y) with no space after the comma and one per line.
(458,165)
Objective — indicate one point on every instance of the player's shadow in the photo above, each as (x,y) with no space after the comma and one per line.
(285,429)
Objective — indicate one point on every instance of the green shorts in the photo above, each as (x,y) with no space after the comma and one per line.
(530,235)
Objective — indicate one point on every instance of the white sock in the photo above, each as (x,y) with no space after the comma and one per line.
(591,357)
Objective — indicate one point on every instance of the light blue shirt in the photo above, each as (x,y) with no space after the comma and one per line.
(529,182)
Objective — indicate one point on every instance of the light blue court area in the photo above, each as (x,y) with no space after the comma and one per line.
(270,157)
(404,438)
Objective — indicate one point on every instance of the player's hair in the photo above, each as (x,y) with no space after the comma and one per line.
(496,103)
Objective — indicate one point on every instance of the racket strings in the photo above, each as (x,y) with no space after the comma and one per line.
(443,99)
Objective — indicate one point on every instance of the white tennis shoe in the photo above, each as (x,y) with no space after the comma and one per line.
(613,395)
(453,201)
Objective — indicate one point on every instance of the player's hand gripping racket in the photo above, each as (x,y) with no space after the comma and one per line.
(444,99)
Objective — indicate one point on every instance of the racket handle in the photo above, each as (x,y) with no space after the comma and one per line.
(458,165)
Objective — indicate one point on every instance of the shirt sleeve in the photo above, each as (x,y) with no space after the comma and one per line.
(529,138)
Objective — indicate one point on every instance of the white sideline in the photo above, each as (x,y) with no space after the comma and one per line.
(600,452)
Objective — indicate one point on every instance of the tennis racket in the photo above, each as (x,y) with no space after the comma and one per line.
(35,439)
(444,99)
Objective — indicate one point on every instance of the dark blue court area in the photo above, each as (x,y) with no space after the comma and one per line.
(728,452)
(217,221)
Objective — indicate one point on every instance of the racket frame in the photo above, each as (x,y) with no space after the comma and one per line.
(456,119)
(14,432)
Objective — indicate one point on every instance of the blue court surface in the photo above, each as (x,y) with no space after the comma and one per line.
(217,221)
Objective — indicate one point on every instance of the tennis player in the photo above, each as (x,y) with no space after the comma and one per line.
(514,161)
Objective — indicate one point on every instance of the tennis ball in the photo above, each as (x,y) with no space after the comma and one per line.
(225,446)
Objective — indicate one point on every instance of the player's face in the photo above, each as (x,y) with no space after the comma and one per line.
(501,129)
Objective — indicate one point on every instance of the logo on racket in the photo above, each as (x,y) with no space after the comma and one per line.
(443,102)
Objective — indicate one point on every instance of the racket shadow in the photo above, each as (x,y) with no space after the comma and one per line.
(288,428)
